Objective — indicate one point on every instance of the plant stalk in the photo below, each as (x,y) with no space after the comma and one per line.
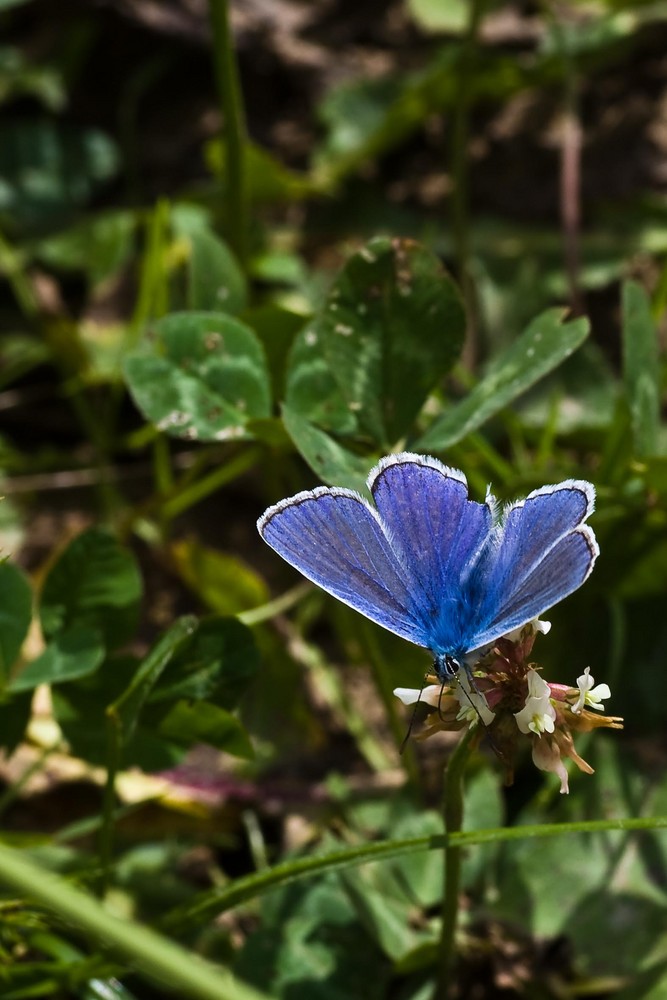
(234,136)
(107,829)
(459,157)
(452,810)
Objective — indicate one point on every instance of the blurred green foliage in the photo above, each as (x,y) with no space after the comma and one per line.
(174,391)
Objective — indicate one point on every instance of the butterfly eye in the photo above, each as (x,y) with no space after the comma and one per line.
(446,666)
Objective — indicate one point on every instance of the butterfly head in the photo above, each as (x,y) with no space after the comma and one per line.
(446,666)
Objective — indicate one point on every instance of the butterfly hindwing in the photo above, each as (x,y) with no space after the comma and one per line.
(543,552)
(336,540)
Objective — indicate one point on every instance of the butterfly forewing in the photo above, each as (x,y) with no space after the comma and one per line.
(335,539)
(426,512)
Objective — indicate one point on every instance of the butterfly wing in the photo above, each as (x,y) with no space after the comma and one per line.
(336,540)
(436,531)
(542,553)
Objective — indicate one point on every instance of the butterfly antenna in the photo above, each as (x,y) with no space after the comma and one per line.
(412,718)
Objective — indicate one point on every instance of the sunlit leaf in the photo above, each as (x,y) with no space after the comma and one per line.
(223,582)
(200,376)
(391,328)
(446,16)
(312,391)
(541,347)
(268,180)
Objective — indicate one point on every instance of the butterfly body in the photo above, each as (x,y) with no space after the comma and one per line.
(431,565)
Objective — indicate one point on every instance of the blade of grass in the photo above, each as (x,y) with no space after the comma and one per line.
(216,901)
(154,956)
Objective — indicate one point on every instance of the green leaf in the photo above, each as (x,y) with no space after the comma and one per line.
(384,911)
(19,77)
(94,584)
(79,709)
(214,901)
(421,872)
(268,180)
(581,394)
(48,170)
(127,707)
(191,722)
(74,653)
(223,582)
(200,376)
(276,327)
(448,16)
(545,343)
(629,922)
(147,952)
(19,354)
(215,280)
(14,718)
(216,662)
(15,616)
(98,247)
(649,984)
(312,945)
(311,389)
(329,460)
(641,368)
(392,326)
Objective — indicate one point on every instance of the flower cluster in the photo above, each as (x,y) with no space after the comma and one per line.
(501,689)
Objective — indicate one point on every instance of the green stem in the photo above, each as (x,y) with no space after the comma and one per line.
(106,837)
(13,267)
(231,105)
(163,474)
(452,810)
(211,903)
(278,606)
(208,484)
(162,960)
(459,155)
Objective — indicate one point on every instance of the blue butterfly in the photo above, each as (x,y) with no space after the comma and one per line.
(432,566)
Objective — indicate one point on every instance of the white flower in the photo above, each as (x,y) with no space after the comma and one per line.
(473,703)
(475,655)
(590,696)
(538,714)
(537,626)
(546,756)
(430,695)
